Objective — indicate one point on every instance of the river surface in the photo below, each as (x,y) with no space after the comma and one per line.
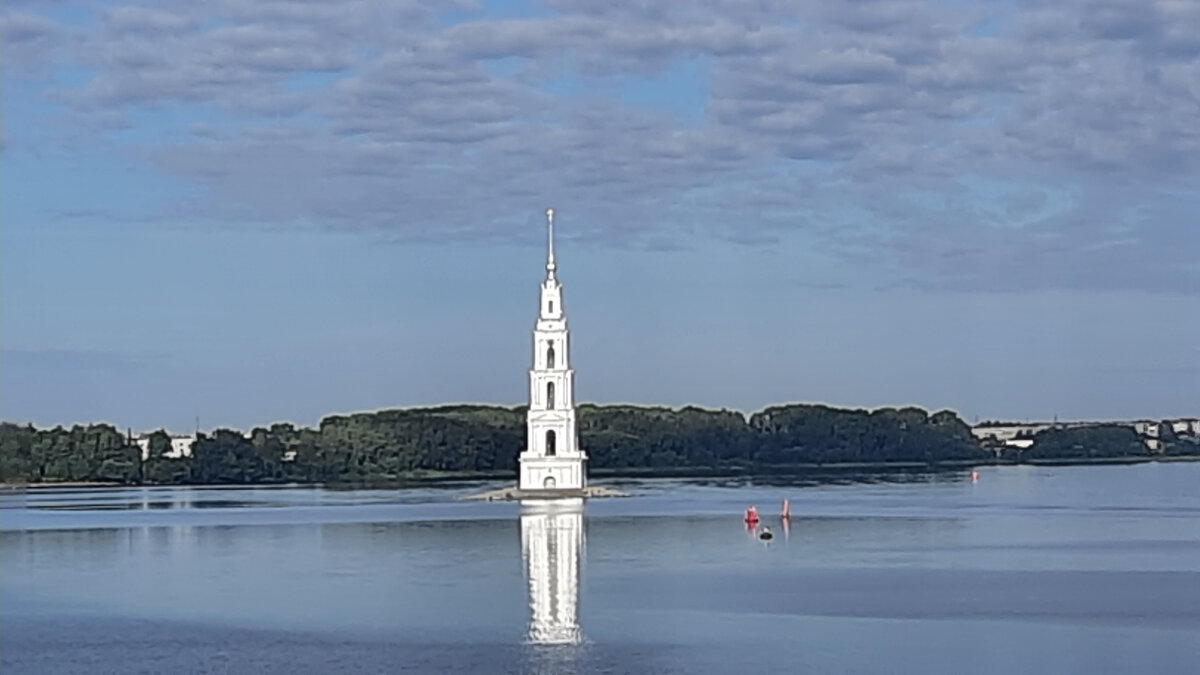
(1025,570)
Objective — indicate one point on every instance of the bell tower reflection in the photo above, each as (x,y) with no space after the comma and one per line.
(552,542)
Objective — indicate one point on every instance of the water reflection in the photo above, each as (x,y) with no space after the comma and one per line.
(552,539)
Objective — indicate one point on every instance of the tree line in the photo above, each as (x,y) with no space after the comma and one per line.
(474,440)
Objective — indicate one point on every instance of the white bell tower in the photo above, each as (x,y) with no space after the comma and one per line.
(552,459)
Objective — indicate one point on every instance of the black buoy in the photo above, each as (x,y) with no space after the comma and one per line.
(766,535)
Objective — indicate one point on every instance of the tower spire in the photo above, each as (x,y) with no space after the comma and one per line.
(550,266)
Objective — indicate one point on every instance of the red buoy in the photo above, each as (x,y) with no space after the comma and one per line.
(752,515)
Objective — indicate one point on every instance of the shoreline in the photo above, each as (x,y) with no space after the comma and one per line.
(513,493)
(4,485)
(399,482)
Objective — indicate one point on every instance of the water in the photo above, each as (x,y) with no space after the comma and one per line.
(1047,570)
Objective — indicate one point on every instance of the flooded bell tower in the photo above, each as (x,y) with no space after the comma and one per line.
(552,460)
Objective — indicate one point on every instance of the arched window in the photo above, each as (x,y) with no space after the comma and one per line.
(550,396)
(550,356)
(551,311)
(550,438)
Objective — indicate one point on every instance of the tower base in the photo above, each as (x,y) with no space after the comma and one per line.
(552,474)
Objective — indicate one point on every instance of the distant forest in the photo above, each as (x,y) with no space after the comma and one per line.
(484,441)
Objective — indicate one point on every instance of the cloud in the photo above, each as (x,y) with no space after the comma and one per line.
(147,22)
(866,129)
(28,42)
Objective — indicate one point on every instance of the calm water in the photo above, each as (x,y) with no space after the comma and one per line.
(1039,570)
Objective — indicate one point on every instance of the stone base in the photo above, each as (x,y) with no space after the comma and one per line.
(552,474)
(517,494)
(569,493)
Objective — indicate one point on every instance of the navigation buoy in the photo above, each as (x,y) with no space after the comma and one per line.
(974,475)
(751,515)
(786,511)
(766,534)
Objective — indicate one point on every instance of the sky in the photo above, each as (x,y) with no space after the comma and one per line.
(250,211)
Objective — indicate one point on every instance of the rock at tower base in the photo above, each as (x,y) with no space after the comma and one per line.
(513,493)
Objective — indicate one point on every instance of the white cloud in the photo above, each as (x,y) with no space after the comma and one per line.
(861,125)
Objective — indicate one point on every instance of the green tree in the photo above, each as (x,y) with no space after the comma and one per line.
(1096,441)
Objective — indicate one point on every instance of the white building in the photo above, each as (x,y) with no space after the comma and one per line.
(1185,427)
(181,446)
(1008,433)
(552,459)
(552,542)
(1147,428)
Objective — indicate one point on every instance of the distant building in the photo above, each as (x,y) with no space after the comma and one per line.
(181,446)
(1147,428)
(1188,426)
(1004,432)
(1018,435)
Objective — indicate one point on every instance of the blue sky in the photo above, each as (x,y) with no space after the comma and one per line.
(254,211)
